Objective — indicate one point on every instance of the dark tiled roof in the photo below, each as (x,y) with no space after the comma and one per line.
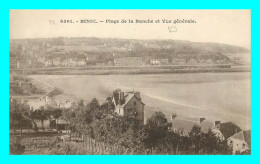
(228,129)
(127,97)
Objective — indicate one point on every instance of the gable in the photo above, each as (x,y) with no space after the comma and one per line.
(238,136)
(132,100)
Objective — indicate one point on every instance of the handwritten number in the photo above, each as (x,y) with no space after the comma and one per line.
(51,22)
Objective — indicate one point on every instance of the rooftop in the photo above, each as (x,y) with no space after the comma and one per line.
(244,136)
(187,124)
(127,97)
(228,129)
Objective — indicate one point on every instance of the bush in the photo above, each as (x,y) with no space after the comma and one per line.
(15,146)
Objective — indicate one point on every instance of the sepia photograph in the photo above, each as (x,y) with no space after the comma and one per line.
(130,82)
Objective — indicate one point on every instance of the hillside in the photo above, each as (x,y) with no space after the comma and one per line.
(102,50)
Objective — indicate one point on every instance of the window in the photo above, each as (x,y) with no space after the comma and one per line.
(134,103)
(243,145)
(129,110)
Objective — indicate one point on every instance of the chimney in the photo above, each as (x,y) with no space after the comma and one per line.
(137,94)
(217,123)
(201,120)
(116,93)
(121,95)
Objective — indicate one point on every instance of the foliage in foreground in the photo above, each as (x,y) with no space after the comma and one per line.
(97,122)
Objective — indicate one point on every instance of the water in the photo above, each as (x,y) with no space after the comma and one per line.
(215,96)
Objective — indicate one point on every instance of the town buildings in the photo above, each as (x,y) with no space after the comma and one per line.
(159,62)
(129,61)
(178,61)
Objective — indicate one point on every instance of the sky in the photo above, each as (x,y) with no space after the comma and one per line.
(222,26)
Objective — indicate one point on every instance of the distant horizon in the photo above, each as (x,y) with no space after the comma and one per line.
(132,39)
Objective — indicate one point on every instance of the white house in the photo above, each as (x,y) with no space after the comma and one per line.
(129,104)
(240,142)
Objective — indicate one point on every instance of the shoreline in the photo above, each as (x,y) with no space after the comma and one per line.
(128,71)
(167,105)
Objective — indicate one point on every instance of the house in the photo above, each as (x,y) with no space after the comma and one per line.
(48,63)
(29,62)
(228,129)
(240,142)
(185,125)
(64,100)
(57,62)
(100,64)
(17,64)
(91,58)
(56,99)
(159,61)
(192,61)
(64,62)
(178,61)
(36,103)
(71,62)
(129,61)
(64,104)
(129,104)
(60,125)
(209,61)
(110,63)
(164,62)
(81,62)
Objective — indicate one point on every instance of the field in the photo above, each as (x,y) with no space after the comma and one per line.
(215,96)
(49,143)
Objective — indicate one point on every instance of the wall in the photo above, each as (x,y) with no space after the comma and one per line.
(130,108)
(237,145)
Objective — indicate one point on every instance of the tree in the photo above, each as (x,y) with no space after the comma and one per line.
(19,116)
(42,116)
(212,144)
(195,137)
(56,113)
(34,117)
(156,129)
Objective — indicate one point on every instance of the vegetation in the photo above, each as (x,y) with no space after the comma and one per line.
(20,85)
(15,146)
(95,121)
(22,117)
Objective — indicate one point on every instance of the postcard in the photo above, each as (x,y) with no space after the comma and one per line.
(130,82)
